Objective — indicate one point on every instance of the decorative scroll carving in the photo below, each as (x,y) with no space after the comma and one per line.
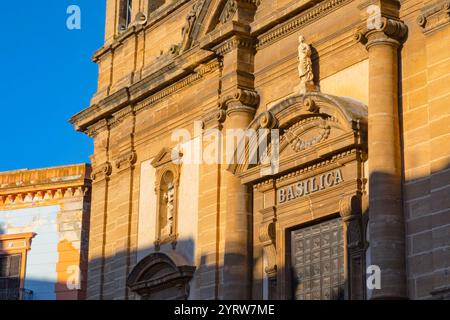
(267,120)
(350,206)
(96,128)
(102,171)
(434,17)
(126,160)
(391,31)
(241,98)
(267,236)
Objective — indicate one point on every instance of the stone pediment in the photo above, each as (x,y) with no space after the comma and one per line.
(165,156)
(311,128)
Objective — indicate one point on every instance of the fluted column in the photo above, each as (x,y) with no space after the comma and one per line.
(386,223)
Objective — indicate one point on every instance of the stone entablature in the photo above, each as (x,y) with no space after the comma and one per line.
(43,186)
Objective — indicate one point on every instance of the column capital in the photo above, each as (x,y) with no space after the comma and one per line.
(389,32)
(242,100)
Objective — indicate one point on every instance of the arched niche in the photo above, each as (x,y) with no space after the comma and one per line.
(308,171)
(167,188)
(161,276)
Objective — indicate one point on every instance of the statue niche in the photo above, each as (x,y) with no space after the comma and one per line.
(166,189)
(167,207)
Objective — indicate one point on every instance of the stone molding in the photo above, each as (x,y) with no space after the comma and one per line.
(434,17)
(242,42)
(309,16)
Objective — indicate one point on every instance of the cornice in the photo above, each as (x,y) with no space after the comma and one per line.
(33,181)
(93,119)
(294,24)
(42,196)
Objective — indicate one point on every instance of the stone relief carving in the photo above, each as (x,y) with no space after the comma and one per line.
(229,11)
(187,29)
(301,142)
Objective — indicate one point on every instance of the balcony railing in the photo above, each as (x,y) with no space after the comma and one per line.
(16,294)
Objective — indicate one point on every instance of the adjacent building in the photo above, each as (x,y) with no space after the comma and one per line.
(337,167)
(44,229)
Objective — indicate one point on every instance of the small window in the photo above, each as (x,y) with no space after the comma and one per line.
(125,14)
(10,266)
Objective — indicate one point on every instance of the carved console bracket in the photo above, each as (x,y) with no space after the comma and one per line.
(102,172)
(351,213)
(126,160)
(434,17)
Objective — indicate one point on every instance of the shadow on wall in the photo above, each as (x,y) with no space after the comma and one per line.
(2,228)
(43,290)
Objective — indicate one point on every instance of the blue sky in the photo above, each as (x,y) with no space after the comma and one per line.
(46,77)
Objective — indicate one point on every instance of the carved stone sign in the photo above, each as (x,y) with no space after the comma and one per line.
(309,186)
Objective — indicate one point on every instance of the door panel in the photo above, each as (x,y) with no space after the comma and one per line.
(318,261)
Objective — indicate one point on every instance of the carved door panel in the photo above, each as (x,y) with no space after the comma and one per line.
(318,261)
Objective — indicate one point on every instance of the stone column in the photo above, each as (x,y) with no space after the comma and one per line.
(386,224)
(237,257)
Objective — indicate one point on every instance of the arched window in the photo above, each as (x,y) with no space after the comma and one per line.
(125,14)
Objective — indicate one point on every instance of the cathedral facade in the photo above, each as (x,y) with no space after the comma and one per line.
(284,149)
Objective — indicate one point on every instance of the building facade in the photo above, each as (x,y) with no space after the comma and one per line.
(283,149)
(44,228)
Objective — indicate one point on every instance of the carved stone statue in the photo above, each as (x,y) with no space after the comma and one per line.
(169,198)
(305,69)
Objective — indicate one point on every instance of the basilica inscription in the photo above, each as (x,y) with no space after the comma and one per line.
(309,186)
